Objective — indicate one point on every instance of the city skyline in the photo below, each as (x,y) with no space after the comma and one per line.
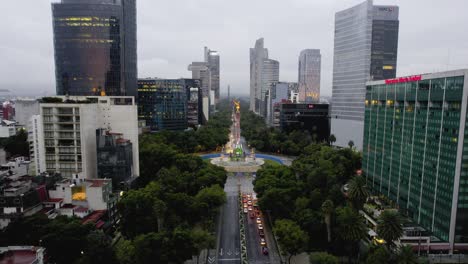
(23,52)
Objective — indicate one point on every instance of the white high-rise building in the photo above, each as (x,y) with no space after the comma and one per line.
(263,73)
(365,49)
(309,75)
(64,133)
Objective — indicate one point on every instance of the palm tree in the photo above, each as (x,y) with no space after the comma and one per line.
(358,192)
(406,256)
(351,228)
(327,210)
(351,144)
(389,227)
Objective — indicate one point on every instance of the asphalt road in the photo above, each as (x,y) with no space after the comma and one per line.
(228,250)
(254,252)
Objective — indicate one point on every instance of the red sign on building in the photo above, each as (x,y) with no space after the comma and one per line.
(414,78)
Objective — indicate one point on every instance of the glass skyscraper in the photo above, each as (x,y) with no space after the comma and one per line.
(309,75)
(416,150)
(365,49)
(162,103)
(95,47)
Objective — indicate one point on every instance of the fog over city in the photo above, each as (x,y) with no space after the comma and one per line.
(172,34)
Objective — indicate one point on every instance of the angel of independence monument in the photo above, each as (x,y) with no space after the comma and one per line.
(235,156)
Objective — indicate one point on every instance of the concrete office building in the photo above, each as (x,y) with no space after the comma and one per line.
(416,151)
(114,157)
(270,76)
(36,145)
(95,47)
(263,73)
(212,59)
(65,132)
(309,75)
(24,110)
(278,93)
(194,107)
(208,74)
(366,43)
(200,71)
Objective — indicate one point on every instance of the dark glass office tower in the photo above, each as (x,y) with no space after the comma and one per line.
(95,47)
(163,103)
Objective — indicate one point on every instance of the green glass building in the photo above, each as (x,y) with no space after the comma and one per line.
(416,149)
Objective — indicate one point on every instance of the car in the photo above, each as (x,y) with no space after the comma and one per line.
(259,220)
(249,203)
(260,227)
(261,233)
(249,196)
(252,215)
(262,242)
(244,200)
(250,208)
(245,210)
(264,250)
(245,205)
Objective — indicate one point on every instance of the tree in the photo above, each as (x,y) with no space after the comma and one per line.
(141,211)
(351,144)
(213,196)
(98,250)
(323,258)
(332,139)
(378,254)
(65,239)
(291,237)
(358,192)
(327,211)
(389,227)
(350,228)
(151,248)
(125,252)
(202,240)
(406,256)
(17,145)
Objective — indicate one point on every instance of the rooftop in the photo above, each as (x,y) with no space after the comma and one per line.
(20,255)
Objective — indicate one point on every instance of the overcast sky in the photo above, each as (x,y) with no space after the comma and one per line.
(172,33)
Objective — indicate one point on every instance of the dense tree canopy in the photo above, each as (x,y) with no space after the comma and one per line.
(16,145)
(291,238)
(310,193)
(67,240)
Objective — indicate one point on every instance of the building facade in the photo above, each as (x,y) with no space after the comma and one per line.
(212,59)
(194,107)
(163,102)
(114,157)
(416,150)
(257,55)
(309,75)
(313,118)
(366,43)
(95,47)
(278,93)
(24,110)
(270,76)
(67,141)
